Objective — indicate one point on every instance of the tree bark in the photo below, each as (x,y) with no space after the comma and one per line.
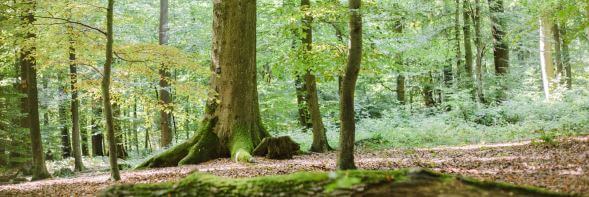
(75,102)
(164,83)
(546,55)
(500,46)
(458,46)
(29,84)
(345,157)
(319,143)
(428,91)
(401,89)
(97,136)
(468,57)
(66,147)
(106,97)
(303,112)
(480,50)
(119,134)
(566,59)
(557,53)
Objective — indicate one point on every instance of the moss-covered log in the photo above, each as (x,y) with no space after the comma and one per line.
(343,183)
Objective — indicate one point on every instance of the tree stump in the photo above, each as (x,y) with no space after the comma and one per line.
(282,147)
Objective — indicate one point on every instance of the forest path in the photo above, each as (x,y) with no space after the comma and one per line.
(563,167)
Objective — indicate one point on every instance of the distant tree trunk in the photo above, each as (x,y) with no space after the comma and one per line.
(479,56)
(319,138)
(66,147)
(467,43)
(428,91)
(135,134)
(108,114)
(566,59)
(75,102)
(458,46)
(29,84)
(345,157)
(557,53)
(500,48)
(97,136)
(546,55)
(401,88)
(165,77)
(84,132)
(304,116)
(119,135)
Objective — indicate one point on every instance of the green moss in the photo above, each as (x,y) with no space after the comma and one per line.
(241,144)
(405,182)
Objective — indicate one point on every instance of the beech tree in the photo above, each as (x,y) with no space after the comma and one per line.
(164,89)
(345,156)
(500,46)
(28,85)
(231,125)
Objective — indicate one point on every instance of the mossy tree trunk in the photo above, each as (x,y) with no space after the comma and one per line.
(500,45)
(345,157)
(232,125)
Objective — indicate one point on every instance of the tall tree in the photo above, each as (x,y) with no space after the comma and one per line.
(75,103)
(566,56)
(232,125)
(319,138)
(457,46)
(28,65)
(546,55)
(476,19)
(345,157)
(165,77)
(557,52)
(500,46)
(119,133)
(97,136)
(468,56)
(66,147)
(106,97)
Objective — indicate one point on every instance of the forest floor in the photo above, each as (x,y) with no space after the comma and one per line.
(561,166)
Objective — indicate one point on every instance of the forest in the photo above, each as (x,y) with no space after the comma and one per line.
(294,98)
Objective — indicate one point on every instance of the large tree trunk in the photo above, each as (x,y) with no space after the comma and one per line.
(232,125)
(165,77)
(29,84)
(500,46)
(75,102)
(458,46)
(106,100)
(345,157)
(319,138)
(97,136)
(546,55)
(303,112)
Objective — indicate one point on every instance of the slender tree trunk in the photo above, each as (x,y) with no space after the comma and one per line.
(401,89)
(479,56)
(557,53)
(108,114)
(458,46)
(29,83)
(84,132)
(428,91)
(135,134)
(319,138)
(165,77)
(75,102)
(304,116)
(500,46)
(66,147)
(467,42)
(546,55)
(119,134)
(566,61)
(345,157)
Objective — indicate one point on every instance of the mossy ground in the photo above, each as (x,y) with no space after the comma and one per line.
(405,182)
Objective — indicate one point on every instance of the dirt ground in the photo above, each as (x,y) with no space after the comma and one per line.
(562,166)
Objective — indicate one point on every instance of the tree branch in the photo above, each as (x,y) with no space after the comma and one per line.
(74,22)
